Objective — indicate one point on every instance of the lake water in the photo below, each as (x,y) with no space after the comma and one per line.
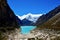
(27,29)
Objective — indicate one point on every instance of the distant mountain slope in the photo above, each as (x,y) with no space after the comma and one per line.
(29,19)
(26,22)
(49,15)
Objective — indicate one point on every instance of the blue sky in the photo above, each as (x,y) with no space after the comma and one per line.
(21,7)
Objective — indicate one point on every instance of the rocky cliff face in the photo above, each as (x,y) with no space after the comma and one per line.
(8,21)
(7,17)
(53,23)
(47,16)
(50,20)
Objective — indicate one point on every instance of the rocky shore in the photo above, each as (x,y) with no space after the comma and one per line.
(46,34)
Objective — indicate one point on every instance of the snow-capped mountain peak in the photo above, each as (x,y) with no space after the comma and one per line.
(30,17)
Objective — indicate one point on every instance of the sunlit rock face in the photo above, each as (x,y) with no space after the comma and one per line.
(8,21)
(46,17)
(50,20)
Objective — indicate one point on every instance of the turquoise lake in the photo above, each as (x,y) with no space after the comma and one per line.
(27,29)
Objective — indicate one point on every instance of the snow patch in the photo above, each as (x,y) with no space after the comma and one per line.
(30,17)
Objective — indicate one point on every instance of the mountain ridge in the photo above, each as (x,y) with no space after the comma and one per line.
(47,16)
(30,17)
(51,22)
